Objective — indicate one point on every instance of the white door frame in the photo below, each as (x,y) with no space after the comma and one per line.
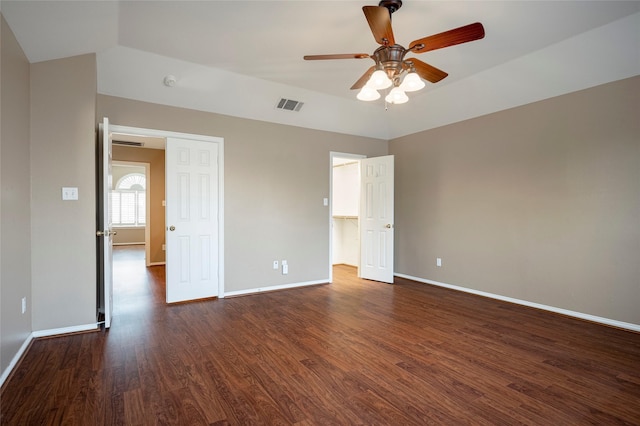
(138,131)
(332,155)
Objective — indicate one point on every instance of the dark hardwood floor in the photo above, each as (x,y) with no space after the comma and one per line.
(354,352)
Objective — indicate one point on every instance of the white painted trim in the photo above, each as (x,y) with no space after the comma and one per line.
(221,219)
(65,330)
(580,315)
(274,288)
(14,361)
(140,131)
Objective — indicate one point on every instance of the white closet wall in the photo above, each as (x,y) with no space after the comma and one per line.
(345,210)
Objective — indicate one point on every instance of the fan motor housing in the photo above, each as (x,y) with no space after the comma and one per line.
(391,5)
(390,57)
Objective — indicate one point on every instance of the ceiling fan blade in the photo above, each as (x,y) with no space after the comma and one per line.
(379,20)
(337,56)
(363,80)
(448,38)
(428,72)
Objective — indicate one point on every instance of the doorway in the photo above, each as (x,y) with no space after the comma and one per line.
(362,200)
(345,210)
(132,136)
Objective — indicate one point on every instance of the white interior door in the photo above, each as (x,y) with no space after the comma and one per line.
(192,269)
(105,231)
(376,219)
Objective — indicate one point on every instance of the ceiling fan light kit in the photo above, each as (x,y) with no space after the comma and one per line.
(412,82)
(396,96)
(390,64)
(368,94)
(379,80)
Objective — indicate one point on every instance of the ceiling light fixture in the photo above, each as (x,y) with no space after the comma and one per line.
(391,70)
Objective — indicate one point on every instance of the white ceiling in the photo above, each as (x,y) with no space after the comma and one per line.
(240,57)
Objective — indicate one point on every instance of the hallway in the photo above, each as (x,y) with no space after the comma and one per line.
(136,288)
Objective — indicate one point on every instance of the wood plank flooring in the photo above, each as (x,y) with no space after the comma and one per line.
(350,353)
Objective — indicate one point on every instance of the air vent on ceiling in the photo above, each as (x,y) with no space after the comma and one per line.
(289,105)
(127,143)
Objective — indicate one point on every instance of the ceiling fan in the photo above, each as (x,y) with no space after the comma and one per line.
(390,63)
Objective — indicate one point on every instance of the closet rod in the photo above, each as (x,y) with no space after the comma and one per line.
(346,164)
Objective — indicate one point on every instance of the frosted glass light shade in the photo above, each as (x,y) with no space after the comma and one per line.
(379,80)
(368,94)
(412,82)
(396,96)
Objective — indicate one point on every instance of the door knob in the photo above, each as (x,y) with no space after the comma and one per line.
(99,233)
(388,225)
(172,228)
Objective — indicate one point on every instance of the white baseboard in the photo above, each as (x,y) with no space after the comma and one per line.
(65,330)
(15,359)
(273,288)
(580,315)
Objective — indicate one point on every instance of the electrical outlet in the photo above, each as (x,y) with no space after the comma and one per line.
(285,268)
(438,261)
(275,264)
(24,305)
(164,247)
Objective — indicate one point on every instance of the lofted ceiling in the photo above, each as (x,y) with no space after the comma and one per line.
(240,57)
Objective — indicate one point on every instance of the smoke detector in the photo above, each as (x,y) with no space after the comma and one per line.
(170,81)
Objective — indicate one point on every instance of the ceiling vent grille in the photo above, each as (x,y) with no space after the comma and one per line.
(289,105)
(127,143)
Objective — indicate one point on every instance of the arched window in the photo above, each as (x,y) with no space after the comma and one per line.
(128,200)
(135,181)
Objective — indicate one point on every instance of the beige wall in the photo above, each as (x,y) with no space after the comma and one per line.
(155,158)
(63,243)
(15,207)
(539,203)
(275,179)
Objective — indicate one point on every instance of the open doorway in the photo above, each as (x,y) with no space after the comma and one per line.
(138,217)
(345,210)
(150,152)
(362,227)
(190,173)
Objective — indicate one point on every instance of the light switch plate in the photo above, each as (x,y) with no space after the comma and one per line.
(69,193)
